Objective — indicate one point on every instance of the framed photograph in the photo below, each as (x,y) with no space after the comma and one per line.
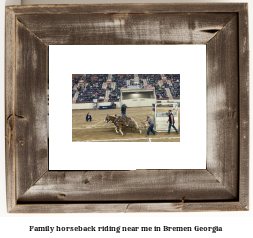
(31,33)
(141,95)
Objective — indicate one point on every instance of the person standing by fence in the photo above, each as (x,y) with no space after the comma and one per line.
(171,121)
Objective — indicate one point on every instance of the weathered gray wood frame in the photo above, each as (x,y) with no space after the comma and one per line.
(222,186)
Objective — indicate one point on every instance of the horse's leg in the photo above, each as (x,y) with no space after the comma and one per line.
(116,129)
(121,131)
(138,129)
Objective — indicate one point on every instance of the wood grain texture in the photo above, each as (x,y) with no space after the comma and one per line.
(129,207)
(129,8)
(132,29)
(223,186)
(244,106)
(30,108)
(222,107)
(9,109)
(139,185)
(186,207)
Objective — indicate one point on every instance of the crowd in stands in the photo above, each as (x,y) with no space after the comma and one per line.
(160,92)
(90,86)
(120,82)
(124,77)
(175,85)
(73,93)
(153,79)
(75,81)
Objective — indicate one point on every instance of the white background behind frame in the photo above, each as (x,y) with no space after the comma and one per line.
(187,60)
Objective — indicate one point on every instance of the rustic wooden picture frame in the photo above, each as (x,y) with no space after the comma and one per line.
(223,186)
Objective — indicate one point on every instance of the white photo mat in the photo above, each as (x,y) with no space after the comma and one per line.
(187,60)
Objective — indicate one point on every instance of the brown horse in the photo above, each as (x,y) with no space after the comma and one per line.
(111,118)
(122,122)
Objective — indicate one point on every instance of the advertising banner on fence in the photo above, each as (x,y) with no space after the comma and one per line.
(148,86)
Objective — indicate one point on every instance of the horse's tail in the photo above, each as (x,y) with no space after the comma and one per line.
(137,126)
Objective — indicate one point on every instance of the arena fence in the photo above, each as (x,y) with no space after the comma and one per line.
(161,116)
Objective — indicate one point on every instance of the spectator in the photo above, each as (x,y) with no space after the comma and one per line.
(113,105)
(88,117)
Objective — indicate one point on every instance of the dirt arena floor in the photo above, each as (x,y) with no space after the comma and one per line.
(99,131)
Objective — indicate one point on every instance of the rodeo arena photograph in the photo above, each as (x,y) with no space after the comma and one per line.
(125,107)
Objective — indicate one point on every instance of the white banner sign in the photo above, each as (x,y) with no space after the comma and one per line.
(133,86)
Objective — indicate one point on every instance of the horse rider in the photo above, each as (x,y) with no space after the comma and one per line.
(123,110)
